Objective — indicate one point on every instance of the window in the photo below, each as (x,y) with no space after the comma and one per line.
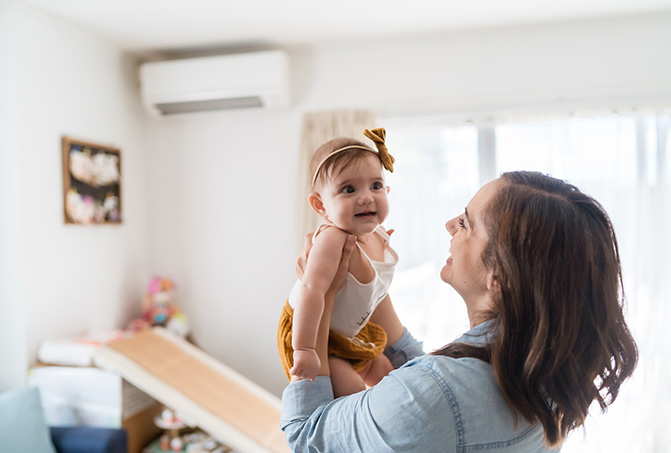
(624,161)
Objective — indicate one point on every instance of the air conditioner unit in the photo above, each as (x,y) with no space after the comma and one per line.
(259,79)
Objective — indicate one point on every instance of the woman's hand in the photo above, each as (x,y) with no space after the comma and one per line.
(302,261)
(343,267)
(348,249)
(329,298)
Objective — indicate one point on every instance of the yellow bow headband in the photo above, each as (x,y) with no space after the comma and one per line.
(377,136)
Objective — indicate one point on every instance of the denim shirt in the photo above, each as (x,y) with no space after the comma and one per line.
(429,404)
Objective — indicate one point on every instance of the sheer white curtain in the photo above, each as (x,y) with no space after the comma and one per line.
(435,174)
(317,129)
(624,161)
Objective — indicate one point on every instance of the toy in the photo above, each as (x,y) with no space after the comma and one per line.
(157,306)
(170,440)
(158,309)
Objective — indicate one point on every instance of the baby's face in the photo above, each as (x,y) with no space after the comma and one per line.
(355,200)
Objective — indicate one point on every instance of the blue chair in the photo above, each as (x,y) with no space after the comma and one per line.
(85,439)
(24,430)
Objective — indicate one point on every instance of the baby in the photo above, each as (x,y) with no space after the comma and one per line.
(349,193)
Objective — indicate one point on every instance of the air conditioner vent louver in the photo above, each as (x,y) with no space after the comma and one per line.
(248,80)
(175,108)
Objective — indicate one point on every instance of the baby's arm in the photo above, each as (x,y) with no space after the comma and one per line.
(319,273)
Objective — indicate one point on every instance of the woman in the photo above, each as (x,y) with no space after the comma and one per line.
(536,262)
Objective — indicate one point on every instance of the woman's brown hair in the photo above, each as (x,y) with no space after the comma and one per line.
(559,339)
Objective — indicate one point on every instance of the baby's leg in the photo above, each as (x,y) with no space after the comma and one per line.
(345,380)
(375,370)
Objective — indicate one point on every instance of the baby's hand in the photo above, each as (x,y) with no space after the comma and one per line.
(306,364)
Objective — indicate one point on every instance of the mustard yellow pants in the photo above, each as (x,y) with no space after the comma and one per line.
(368,344)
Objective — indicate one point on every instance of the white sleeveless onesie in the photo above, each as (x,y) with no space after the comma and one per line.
(356,301)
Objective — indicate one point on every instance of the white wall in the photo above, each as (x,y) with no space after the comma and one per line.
(221,225)
(12,328)
(596,62)
(222,185)
(70,278)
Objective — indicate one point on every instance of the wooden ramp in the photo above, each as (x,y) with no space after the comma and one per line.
(209,395)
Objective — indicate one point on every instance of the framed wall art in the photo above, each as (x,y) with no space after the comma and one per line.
(91,183)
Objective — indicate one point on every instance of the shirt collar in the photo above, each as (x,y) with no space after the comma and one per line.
(478,335)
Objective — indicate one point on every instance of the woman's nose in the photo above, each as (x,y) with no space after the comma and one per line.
(451,226)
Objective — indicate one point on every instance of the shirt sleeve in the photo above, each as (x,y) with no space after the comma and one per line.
(406,348)
(392,416)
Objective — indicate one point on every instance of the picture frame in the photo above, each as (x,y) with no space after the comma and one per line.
(91,183)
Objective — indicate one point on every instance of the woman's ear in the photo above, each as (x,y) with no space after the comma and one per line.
(316,203)
(493,284)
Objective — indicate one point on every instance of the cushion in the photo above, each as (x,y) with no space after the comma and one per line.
(22,426)
(89,439)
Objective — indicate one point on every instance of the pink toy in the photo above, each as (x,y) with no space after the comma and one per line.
(158,309)
(157,305)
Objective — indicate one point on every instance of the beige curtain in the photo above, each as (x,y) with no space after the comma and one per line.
(318,128)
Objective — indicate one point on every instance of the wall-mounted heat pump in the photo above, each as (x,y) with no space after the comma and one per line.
(259,79)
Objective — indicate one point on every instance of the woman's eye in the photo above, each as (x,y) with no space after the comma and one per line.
(462,224)
(347,189)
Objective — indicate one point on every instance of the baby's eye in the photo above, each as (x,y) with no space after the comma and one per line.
(377,186)
(347,189)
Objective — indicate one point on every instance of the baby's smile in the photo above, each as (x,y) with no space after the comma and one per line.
(366,214)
